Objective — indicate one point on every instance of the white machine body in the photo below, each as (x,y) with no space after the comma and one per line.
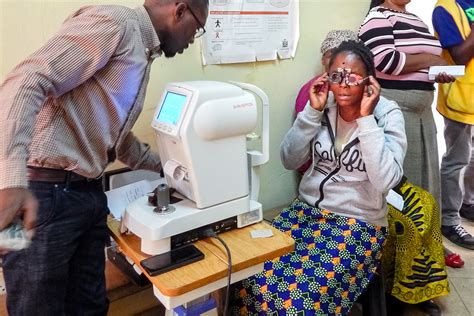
(201,129)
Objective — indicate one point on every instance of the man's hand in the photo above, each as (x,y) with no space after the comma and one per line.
(18,202)
(370,98)
(443,77)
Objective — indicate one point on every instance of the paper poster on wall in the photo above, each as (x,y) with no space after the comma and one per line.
(250,30)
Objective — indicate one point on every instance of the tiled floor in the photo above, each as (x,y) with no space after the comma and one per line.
(461,300)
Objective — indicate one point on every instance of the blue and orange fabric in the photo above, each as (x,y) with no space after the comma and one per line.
(334,260)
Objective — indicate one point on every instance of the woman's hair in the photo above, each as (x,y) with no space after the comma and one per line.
(334,38)
(357,48)
(375,3)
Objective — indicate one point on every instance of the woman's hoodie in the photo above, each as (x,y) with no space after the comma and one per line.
(354,183)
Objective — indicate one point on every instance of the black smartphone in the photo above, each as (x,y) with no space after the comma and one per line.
(173,259)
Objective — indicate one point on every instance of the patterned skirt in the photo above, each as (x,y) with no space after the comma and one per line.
(413,256)
(334,260)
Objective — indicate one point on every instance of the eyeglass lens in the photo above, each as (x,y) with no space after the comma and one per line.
(348,78)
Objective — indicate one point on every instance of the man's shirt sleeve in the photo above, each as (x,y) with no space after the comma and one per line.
(446,28)
(82,46)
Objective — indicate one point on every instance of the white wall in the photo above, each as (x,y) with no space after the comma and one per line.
(424,9)
(26,24)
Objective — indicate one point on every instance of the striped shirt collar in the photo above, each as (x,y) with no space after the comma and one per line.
(149,36)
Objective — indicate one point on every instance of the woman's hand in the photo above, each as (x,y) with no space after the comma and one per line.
(370,98)
(415,62)
(438,61)
(318,94)
(443,77)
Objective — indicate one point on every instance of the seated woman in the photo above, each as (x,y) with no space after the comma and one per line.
(413,259)
(357,144)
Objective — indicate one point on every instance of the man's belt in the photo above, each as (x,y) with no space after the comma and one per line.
(55,175)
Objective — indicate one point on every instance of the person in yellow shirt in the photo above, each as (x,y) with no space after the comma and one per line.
(453,21)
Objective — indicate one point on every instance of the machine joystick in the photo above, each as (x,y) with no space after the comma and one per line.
(160,198)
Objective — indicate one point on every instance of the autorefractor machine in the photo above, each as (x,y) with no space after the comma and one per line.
(202,129)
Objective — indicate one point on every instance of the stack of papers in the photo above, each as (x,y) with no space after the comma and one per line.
(118,199)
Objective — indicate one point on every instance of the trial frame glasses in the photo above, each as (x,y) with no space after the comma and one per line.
(344,75)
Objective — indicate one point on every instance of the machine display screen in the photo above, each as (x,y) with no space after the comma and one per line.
(172,107)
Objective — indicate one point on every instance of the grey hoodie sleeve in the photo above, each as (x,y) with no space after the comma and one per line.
(295,149)
(383,145)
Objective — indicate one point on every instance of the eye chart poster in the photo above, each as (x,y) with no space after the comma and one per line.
(250,30)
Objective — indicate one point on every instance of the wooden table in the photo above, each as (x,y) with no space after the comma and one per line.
(200,278)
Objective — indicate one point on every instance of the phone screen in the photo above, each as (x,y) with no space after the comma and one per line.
(172,259)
